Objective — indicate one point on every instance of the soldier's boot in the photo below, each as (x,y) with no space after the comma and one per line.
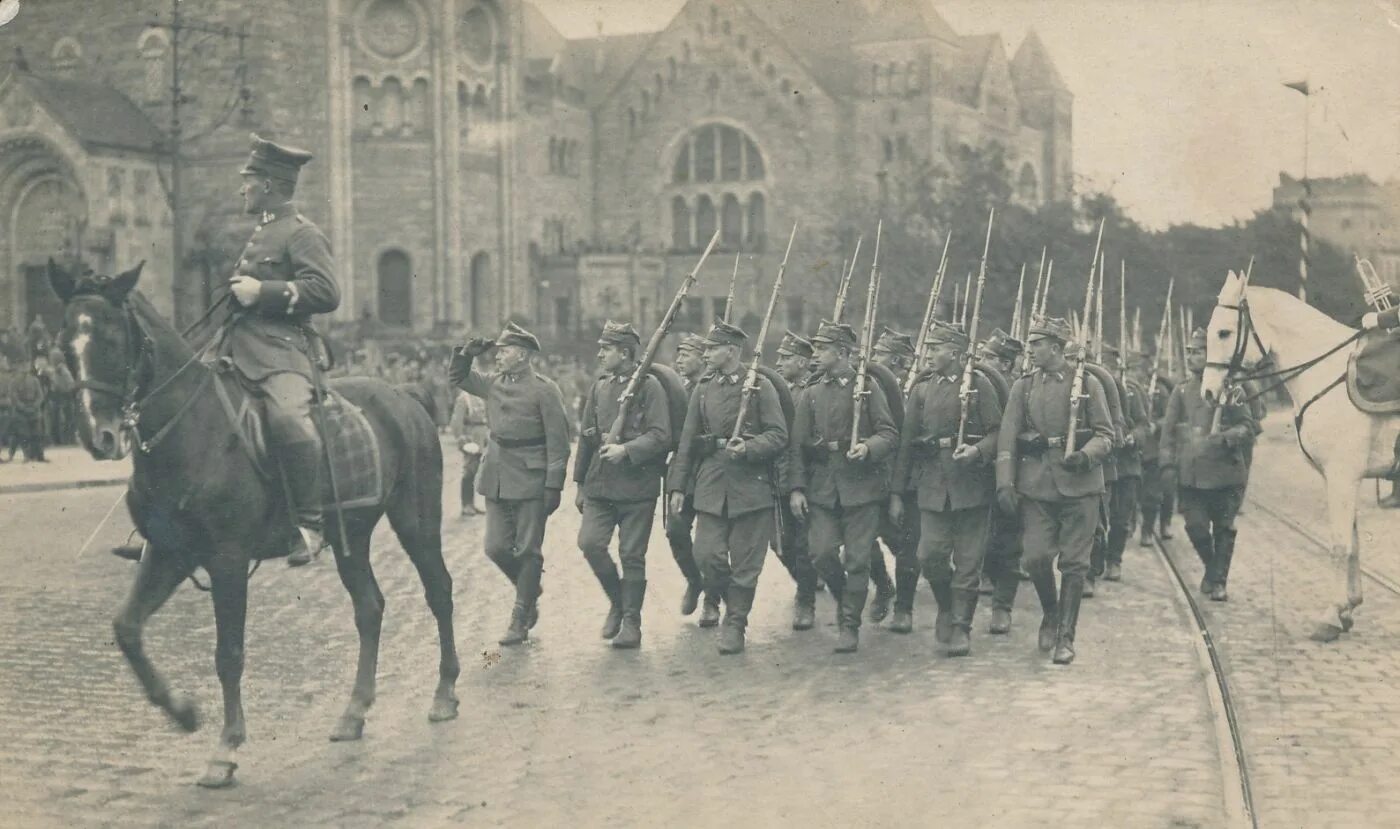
(691,599)
(1114,572)
(129,552)
(527,585)
(709,611)
(1164,525)
(943,622)
(884,587)
(612,588)
(1392,501)
(964,608)
(804,606)
(630,635)
(1147,538)
(302,463)
(1043,579)
(1224,554)
(1003,600)
(1071,591)
(848,634)
(738,603)
(1204,545)
(906,584)
(836,583)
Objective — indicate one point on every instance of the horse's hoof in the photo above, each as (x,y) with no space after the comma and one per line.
(1325,632)
(443,710)
(218,774)
(349,728)
(1347,621)
(184,712)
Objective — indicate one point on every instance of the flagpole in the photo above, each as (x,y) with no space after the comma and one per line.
(1305,198)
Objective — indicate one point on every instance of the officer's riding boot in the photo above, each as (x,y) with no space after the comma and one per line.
(836,583)
(906,584)
(1096,563)
(527,584)
(1071,590)
(804,606)
(884,587)
(709,612)
(738,603)
(1043,579)
(129,552)
(943,622)
(633,592)
(302,463)
(852,603)
(612,588)
(964,608)
(1224,552)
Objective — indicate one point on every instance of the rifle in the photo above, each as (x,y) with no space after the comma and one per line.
(1123,323)
(967,298)
(639,374)
(919,347)
(1076,391)
(1037,310)
(845,284)
(1163,336)
(867,342)
(751,378)
(1098,314)
(1020,301)
(966,393)
(729,301)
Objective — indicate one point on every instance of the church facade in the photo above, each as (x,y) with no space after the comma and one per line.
(474,164)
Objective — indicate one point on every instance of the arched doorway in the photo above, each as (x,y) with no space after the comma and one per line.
(395,273)
(43,214)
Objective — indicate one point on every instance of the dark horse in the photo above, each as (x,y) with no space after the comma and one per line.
(200,499)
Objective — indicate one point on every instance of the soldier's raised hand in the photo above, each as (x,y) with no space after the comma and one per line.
(477,346)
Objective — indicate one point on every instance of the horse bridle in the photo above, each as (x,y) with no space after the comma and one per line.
(1243,323)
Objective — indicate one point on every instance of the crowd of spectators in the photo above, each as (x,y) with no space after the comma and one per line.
(37,396)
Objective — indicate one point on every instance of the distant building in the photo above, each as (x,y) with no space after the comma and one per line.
(472,163)
(1354,214)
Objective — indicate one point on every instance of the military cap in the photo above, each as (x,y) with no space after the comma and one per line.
(946,333)
(515,335)
(895,342)
(1055,328)
(694,342)
(794,345)
(1197,341)
(722,333)
(834,333)
(619,333)
(1003,345)
(1073,349)
(274,160)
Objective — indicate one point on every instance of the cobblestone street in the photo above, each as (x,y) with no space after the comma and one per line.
(567,729)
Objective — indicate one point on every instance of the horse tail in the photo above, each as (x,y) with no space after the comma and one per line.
(419,393)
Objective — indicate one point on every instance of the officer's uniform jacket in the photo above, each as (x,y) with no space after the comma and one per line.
(925,462)
(646,435)
(527,449)
(821,434)
(1201,463)
(722,485)
(1138,428)
(1039,405)
(292,259)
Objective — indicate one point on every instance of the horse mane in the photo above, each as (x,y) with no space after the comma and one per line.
(1303,320)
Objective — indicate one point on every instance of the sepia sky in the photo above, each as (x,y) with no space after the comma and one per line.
(1179,109)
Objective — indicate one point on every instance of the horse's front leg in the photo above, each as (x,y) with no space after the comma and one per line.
(228,584)
(157,575)
(352,562)
(1342,490)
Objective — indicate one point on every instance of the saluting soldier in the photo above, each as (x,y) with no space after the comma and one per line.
(1056,494)
(522,472)
(619,478)
(1003,560)
(895,350)
(1151,492)
(690,365)
(1123,495)
(794,364)
(839,486)
(1208,469)
(954,481)
(734,477)
(284,275)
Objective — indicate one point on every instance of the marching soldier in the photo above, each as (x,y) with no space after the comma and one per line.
(522,472)
(1056,494)
(895,350)
(1208,469)
(953,482)
(1003,560)
(284,275)
(690,365)
(618,482)
(1123,495)
(839,486)
(1151,491)
(1109,465)
(794,359)
(734,475)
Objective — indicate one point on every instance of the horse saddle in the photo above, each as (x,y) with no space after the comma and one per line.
(347,438)
(1373,374)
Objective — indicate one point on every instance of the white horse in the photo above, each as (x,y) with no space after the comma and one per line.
(1344,444)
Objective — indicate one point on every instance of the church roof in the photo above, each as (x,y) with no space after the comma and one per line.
(905,20)
(818,33)
(96,114)
(970,66)
(1032,67)
(596,64)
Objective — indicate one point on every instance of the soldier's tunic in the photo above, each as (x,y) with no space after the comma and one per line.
(1124,495)
(680,525)
(1151,495)
(1210,469)
(902,539)
(622,495)
(527,453)
(1059,506)
(733,496)
(953,497)
(844,497)
(1113,397)
(794,551)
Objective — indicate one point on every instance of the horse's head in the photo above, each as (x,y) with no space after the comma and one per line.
(1232,342)
(102,344)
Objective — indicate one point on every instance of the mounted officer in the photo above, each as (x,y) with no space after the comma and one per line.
(284,275)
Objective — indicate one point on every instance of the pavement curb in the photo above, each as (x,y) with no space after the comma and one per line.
(55,486)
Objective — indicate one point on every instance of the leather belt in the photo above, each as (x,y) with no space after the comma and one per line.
(518,443)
